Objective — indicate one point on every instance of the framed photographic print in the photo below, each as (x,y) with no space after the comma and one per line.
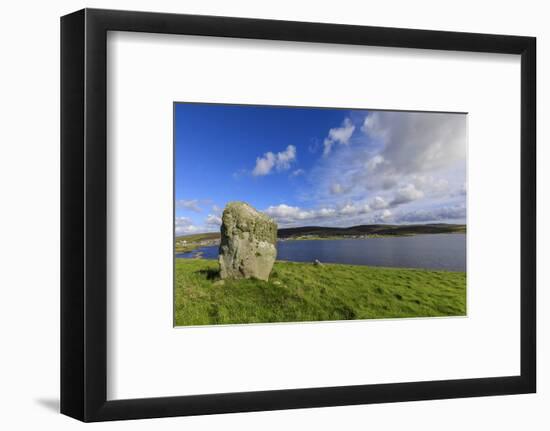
(262,215)
(360,198)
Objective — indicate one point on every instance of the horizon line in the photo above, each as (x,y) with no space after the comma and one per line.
(337,227)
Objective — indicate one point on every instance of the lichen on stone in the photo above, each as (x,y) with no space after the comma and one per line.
(248,242)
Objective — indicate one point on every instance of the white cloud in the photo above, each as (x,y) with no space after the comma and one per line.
(348,209)
(213,220)
(430,184)
(406,194)
(374,162)
(264,164)
(297,173)
(340,135)
(371,125)
(184,225)
(383,217)
(446,213)
(376,211)
(379,203)
(284,212)
(325,212)
(190,204)
(183,221)
(400,158)
(287,215)
(405,167)
(351,209)
(285,158)
(418,141)
(280,161)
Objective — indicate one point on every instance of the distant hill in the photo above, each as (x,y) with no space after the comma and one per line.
(353,231)
(370,229)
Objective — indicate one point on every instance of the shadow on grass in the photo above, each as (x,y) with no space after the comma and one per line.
(210,274)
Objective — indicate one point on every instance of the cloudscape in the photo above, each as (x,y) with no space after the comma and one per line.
(318,166)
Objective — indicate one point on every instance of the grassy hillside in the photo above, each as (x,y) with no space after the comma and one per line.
(371,230)
(305,292)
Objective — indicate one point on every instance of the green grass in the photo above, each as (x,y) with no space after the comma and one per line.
(298,292)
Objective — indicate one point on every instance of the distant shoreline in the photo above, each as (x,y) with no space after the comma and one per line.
(188,243)
(368,236)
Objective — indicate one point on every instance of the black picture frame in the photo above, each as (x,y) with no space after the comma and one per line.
(84,214)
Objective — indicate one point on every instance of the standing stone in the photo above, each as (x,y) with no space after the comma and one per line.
(248,243)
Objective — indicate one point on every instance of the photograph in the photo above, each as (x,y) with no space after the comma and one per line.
(305,214)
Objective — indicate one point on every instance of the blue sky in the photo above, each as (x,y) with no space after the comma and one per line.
(327,167)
